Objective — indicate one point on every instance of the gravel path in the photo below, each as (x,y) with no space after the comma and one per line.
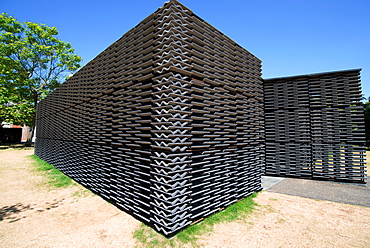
(33,215)
(291,221)
(349,193)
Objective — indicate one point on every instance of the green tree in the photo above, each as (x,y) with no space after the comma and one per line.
(33,62)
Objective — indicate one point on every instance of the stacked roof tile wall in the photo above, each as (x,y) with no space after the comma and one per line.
(315,126)
(166,123)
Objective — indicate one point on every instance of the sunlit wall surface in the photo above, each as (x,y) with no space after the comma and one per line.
(166,123)
(315,126)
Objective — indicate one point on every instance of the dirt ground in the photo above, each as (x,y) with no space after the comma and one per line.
(33,215)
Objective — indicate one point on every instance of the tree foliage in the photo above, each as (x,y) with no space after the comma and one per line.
(13,108)
(33,62)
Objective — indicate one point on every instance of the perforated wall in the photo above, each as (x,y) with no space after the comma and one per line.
(315,126)
(166,123)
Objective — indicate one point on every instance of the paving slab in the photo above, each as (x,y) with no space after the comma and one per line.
(268,182)
(355,194)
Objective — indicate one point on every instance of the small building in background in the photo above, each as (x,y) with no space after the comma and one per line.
(10,133)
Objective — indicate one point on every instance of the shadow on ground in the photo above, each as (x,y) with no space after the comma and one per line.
(16,212)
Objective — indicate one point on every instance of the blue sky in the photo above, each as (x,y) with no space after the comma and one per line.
(291,37)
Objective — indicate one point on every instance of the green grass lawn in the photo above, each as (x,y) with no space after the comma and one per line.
(55,177)
(147,237)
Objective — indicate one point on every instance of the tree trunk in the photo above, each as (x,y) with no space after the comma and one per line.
(31,133)
(29,138)
(33,126)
